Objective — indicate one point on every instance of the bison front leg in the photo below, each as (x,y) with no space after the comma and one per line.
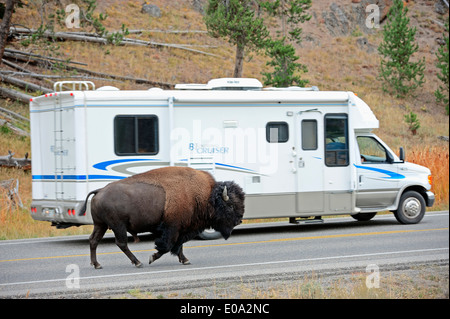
(182,258)
(165,242)
(162,248)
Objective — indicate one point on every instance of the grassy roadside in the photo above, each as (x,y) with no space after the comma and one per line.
(415,282)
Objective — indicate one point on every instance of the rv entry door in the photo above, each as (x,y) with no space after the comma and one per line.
(324,170)
(310,161)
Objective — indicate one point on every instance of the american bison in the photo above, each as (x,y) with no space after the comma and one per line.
(174,203)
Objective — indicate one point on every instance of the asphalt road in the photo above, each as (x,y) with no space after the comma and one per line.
(60,267)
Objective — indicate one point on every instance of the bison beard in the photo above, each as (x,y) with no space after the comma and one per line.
(174,203)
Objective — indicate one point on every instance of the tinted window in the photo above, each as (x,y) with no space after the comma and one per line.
(277,132)
(336,140)
(136,135)
(309,135)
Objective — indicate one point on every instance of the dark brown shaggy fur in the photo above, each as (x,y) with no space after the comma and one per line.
(175,203)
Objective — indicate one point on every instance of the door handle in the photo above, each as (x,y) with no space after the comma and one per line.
(293,168)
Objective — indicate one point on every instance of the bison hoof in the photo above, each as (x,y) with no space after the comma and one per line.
(97,266)
(138,264)
(186,262)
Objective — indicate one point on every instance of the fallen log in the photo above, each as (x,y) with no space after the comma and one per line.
(98,75)
(12,162)
(50,76)
(22,69)
(165,31)
(15,66)
(169,45)
(13,128)
(42,56)
(14,114)
(74,36)
(13,94)
(105,76)
(25,85)
(123,78)
(25,59)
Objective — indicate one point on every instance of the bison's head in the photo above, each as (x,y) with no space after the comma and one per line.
(227,200)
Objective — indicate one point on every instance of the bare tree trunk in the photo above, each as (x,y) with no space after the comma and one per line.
(239,62)
(4,26)
(283,18)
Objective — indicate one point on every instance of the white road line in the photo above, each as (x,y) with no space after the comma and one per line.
(229,266)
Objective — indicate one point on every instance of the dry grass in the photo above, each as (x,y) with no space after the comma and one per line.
(436,159)
(418,282)
(16,222)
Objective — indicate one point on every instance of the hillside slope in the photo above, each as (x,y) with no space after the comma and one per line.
(339,51)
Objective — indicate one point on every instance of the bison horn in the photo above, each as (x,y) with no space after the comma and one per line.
(225,194)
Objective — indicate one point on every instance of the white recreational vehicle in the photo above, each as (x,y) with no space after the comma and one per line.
(296,152)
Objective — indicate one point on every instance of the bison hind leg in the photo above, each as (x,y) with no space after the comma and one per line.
(94,239)
(120,233)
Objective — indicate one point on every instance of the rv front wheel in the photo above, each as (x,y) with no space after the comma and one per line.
(411,208)
(209,234)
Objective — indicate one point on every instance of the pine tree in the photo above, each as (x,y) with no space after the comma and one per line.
(400,75)
(236,21)
(442,64)
(286,68)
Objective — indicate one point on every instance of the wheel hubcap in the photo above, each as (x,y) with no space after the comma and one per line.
(412,207)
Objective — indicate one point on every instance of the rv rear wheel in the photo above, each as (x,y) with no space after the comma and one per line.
(363,217)
(411,208)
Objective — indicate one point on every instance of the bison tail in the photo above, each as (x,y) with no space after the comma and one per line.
(83,208)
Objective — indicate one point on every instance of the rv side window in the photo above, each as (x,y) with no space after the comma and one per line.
(277,132)
(336,140)
(136,135)
(309,135)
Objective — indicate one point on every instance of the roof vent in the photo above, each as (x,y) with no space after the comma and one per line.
(234,84)
(107,88)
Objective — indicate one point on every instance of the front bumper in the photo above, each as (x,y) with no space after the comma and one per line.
(429,198)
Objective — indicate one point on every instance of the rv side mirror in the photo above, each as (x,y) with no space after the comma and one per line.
(402,154)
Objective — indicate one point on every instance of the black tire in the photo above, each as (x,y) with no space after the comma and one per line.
(411,208)
(363,217)
(209,234)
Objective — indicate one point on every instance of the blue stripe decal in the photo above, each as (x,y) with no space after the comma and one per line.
(73,177)
(390,175)
(231,166)
(103,165)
